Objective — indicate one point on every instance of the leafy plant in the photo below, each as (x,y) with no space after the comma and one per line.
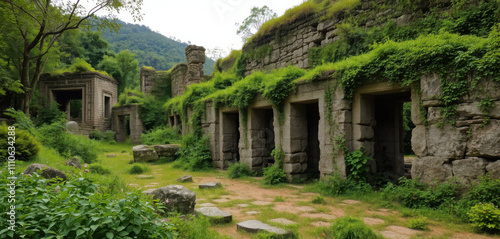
(418,223)
(138,169)
(318,200)
(336,185)
(22,121)
(22,144)
(357,165)
(352,228)
(98,169)
(275,174)
(49,114)
(194,154)
(108,135)
(485,217)
(161,135)
(238,170)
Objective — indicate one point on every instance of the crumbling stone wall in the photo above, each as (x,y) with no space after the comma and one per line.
(179,76)
(136,126)
(147,78)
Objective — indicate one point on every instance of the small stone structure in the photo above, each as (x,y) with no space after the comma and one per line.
(146,153)
(95,93)
(119,126)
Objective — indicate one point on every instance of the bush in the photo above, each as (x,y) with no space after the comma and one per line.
(67,144)
(485,217)
(486,191)
(107,136)
(318,200)
(336,185)
(191,227)
(25,145)
(49,114)
(418,223)
(98,169)
(152,113)
(22,121)
(275,174)
(161,135)
(87,212)
(352,228)
(238,170)
(194,154)
(138,169)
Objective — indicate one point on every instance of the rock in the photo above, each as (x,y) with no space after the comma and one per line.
(185,179)
(447,142)
(46,171)
(485,141)
(254,226)
(210,185)
(469,169)
(431,169)
(260,203)
(167,150)
(73,127)
(430,85)
(215,215)
(493,170)
(144,153)
(110,155)
(206,205)
(283,221)
(419,141)
(74,162)
(416,111)
(404,20)
(180,199)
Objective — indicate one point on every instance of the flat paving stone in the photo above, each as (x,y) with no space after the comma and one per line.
(261,203)
(145,177)
(319,215)
(207,204)
(242,205)
(283,221)
(321,224)
(215,215)
(210,185)
(185,179)
(349,201)
(252,212)
(306,209)
(221,200)
(372,221)
(393,235)
(402,230)
(254,226)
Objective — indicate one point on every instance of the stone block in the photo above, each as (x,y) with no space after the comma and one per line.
(304,167)
(298,145)
(210,185)
(431,169)
(296,158)
(185,179)
(292,168)
(144,153)
(416,116)
(419,141)
(73,127)
(364,133)
(74,162)
(469,169)
(429,103)
(493,170)
(215,215)
(447,142)
(485,141)
(167,150)
(254,226)
(430,85)
(176,198)
(434,115)
(257,161)
(262,152)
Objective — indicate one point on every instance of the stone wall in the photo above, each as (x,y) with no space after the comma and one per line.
(147,79)
(179,76)
(136,127)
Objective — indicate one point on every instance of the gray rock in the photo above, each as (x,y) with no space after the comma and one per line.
(210,185)
(167,150)
(493,170)
(73,127)
(144,153)
(469,169)
(431,169)
(254,226)
(430,85)
(215,215)
(46,171)
(74,162)
(283,221)
(485,141)
(180,199)
(447,142)
(419,141)
(185,179)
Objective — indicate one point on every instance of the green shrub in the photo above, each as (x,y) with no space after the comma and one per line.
(191,227)
(130,96)
(352,228)
(67,144)
(318,200)
(238,170)
(98,169)
(23,144)
(418,223)
(194,154)
(87,212)
(22,121)
(485,217)
(107,136)
(138,169)
(357,165)
(49,114)
(275,174)
(161,135)
(336,185)
(152,113)
(486,191)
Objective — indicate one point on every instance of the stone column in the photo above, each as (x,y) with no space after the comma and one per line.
(195,56)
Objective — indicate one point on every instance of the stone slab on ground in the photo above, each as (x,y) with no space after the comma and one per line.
(254,226)
(178,198)
(144,153)
(349,201)
(393,235)
(252,212)
(398,232)
(221,200)
(242,205)
(145,177)
(207,204)
(319,215)
(321,224)
(45,171)
(260,203)
(210,185)
(215,215)
(372,221)
(185,179)
(283,221)
(167,150)
(306,209)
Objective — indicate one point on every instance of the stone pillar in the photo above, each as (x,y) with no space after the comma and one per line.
(147,79)
(195,56)
(68,111)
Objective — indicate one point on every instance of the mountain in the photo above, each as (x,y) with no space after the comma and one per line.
(152,48)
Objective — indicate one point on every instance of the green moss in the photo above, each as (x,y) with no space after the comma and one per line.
(228,62)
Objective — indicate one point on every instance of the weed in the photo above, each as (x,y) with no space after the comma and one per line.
(352,228)
(318,200)
(418,223)
(238,170)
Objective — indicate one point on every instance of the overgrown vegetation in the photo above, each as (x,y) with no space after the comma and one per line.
(194,154)
(161,135)
(107,136)
(23,146)
(275,174)
(139,169)
(352,228)
(238,170)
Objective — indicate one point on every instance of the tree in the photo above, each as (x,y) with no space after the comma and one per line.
(252,24)
(123,67)
(37,25)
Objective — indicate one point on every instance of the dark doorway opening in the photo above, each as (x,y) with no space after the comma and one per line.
(70,102)
(263,135)
(230,137)
(107,107)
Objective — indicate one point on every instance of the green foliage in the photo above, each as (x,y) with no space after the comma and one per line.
(486,191)
(227,63)
(336,185)
(408,127)
(352,228)
(238,170)
(49,114)
(139,169)
(275,174)
(98,169)
(357,165)
(80,65)
(152,113)
(485,217)
(420,223)
(161,135)
(123,67)
(130,96)
(107,136)
(318,200)
(191,227)
(22,121)
(252,23)
(23,144)
(88,212)
(194,154)
(67,144)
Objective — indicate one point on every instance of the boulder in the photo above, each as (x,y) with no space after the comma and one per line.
(431,169)
(485,141)
(254,226)
(469,169)
(493,170)
(144,153)
(46,171)
(419,141)
(167,150)
(73,127)
(180,199)
(215,215)
(185,179)
(74,162)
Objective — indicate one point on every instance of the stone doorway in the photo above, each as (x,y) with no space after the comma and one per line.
(230,137)
(262,137)
(70,102)
(127,117)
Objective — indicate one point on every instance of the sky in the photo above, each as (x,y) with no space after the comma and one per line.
(207,23)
